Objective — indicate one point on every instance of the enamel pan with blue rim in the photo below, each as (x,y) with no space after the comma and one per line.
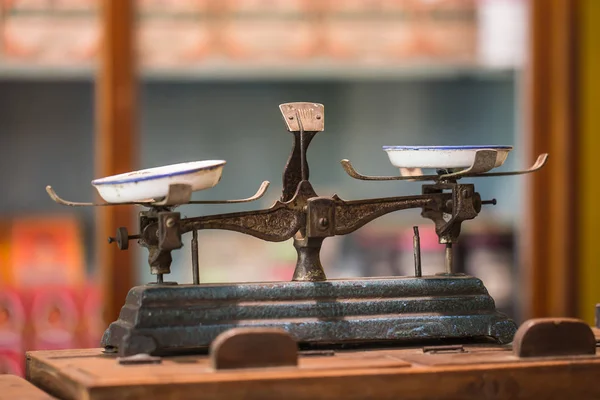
(441,157)
(153,183)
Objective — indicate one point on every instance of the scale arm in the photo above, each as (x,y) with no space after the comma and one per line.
(484,161)
(276,224)
(349,168)
(539,163)
(259,194)
(178,194)
(57,199)
(351,215)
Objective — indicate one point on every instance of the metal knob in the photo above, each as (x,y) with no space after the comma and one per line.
(122,238)
(478,203)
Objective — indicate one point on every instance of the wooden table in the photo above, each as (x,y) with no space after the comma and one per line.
(478,372)
(13,387)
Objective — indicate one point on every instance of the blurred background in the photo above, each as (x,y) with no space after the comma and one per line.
(93,88)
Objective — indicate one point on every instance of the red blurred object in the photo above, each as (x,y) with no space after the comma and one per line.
(12,321)
(12,311)
(54,319)
(282,272)
(12,362)
(55,340)
(54,310)
(93,323)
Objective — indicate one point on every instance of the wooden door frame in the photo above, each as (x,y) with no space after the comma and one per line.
(552,111)
(116,144)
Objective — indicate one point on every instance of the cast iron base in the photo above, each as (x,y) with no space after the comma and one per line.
(167,319)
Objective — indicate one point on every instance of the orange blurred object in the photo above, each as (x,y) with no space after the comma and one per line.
(64,32)
(274,30)
(46,251)
(400,30)
(174,32)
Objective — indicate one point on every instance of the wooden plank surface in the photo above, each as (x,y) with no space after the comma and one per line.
(491,373)
(13,387)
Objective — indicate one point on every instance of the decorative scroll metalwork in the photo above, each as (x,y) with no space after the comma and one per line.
(351,215)
(276,224)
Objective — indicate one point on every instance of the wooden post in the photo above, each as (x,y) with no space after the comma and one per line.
(550,246)
(116,144)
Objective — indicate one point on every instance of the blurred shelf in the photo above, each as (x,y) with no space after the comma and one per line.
(10,71)
(324,71)
(255,72)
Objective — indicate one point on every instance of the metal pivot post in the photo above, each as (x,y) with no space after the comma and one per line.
(308,265)
(417,252)
(303,120)
(195,264)
(448,260)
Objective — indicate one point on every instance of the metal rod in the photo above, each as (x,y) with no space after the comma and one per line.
(417,251)
(195,266)
(449,258)
(130,237)
(302,148)
(159,278)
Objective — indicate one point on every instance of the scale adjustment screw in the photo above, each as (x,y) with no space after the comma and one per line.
(122,238)
(323,223)
(449,206)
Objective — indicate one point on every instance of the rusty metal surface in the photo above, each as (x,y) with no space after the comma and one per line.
(195,261)
(169,237)
(548,337)
(258,195)
(304,120)
(162,319)
(178,194)
(448,258)
(464,204)
(277,224)
(417,251)
(122,238)
(352,215)
(311,116)
(308,264)
(484,161)
(253,348)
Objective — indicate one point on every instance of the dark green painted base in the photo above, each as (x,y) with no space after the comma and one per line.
(163,319)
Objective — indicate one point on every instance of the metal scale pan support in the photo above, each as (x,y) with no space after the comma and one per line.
(165,318)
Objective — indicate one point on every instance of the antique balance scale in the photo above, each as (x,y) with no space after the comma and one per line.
(275,325)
